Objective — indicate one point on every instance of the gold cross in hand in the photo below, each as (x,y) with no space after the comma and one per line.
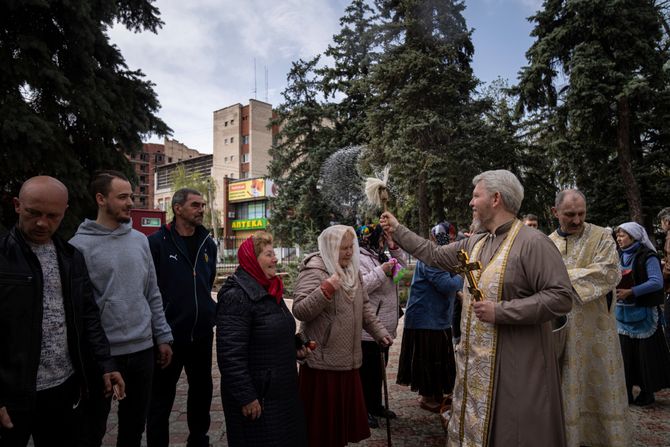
(466,267)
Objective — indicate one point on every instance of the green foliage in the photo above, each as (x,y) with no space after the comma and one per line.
(422,113)
(353,55)
(592,110)
(69,103)
(291,270)
(194,180)
(303,143)
(612,107)
(401,74)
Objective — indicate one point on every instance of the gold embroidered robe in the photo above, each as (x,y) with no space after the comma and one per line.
(526,407)
(595,403)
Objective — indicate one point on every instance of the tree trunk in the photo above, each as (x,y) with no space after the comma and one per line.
(624,155)
(424,207)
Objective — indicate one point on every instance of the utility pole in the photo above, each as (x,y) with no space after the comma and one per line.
(212,213)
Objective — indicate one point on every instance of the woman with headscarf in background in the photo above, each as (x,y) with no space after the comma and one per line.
(377,273)
(333,307)
(256,353)
(639,294)
(427,361)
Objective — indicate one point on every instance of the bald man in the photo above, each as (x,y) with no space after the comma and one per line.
(592,379)
(50,330)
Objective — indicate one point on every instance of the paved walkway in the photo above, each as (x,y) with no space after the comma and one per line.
(413,428)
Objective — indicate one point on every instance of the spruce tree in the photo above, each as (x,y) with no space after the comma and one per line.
(303,143)
(69,104)
(421,102)
(346,80)
(598,67)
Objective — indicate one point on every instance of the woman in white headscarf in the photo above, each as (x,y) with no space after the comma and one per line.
(639,294)
(333,307)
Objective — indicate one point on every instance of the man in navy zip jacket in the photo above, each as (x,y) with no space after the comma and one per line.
(185,259)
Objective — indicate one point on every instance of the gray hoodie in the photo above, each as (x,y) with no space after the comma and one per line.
(124,285)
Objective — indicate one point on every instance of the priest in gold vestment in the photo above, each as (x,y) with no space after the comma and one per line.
(593,382)
(507,390)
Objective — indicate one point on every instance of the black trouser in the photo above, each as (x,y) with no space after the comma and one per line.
(137,370)
(196,359)
(371,376)
(52,422)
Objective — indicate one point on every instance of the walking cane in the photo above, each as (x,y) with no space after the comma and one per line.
(386,397)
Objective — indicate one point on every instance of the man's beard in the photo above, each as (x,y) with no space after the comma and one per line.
(120,218)
(476,226)
(197,221)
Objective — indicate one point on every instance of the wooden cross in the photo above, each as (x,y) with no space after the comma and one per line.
(466,267)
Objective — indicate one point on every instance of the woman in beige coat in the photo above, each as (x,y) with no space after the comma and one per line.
(333,307)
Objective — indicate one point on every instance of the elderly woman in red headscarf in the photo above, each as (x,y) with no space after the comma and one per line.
(256,353)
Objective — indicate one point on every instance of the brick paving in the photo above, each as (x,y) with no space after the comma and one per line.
(413,428)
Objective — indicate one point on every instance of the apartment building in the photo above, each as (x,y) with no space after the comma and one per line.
(146,162)
(164,177)
(242,141)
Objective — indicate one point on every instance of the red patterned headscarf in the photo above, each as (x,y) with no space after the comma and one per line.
(248,261)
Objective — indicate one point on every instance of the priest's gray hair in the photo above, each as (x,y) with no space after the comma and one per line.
(505,183)
(664,214)
(560,197)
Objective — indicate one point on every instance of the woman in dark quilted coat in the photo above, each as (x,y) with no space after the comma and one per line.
(256,353)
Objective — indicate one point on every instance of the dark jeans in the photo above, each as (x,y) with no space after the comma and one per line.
(196,359)
(137,370)
(52,422)
(371,375)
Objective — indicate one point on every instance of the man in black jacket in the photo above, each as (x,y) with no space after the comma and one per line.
(185,260)
(50,328)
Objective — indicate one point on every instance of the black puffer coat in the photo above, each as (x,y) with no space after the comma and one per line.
(257,358)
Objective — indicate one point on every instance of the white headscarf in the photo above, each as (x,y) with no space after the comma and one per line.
(638,233)
(329,241)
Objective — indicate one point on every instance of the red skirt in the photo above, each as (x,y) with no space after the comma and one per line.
(334,407)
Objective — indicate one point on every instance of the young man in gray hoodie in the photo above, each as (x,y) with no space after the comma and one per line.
(131,309)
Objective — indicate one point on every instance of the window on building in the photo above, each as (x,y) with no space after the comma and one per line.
(231,122)
(225,141)
(245,158)
(232,139)
(143,178)
(159,158)
(161,205)
(144,156)
(250,210)
(245,139)
(169,159)
(225,124)
(244,175)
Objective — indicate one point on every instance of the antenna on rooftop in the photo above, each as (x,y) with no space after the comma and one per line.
(266,84)
(255,91)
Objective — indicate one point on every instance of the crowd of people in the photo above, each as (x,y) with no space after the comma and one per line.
(517,337)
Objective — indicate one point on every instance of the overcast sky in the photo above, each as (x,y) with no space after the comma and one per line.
(203,58)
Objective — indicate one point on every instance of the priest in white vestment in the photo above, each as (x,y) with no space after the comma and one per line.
(592,380)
